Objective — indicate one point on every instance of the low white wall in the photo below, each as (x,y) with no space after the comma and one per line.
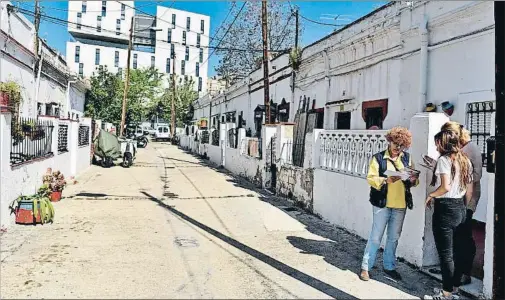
(26,178)
(296,183)
(214,154)
(245,166)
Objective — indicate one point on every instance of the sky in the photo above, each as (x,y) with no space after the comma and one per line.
(57,35)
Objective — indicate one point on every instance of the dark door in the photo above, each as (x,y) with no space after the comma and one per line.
(343,120)
(374,117)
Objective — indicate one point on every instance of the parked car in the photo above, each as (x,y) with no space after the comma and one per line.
(162,133)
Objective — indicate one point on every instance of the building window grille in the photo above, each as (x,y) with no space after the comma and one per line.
(168,66)
(183,67)
(104,8)
(188,23)
(201,55)
(62,138)
(197,70)
(97,56)
(478,121)
(99,23)
(116,59)
(135,61)
(81,69)
(187,54)
(118,26)
(184,38)
(202,26)
(83,139)
(173,21)
(77,53)
(123,14)
(84,6)
(172,51)
(169,36)
(198,40)
(79,20)
(199,84)
(30,139)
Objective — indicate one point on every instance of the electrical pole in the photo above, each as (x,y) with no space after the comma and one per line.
(37,25)
(297,28)
(172,111)
(266,84)
(127,81)
(499,196)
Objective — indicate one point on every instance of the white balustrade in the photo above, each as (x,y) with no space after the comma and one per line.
(349,151)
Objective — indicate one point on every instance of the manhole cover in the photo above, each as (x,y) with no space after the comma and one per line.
(186,242)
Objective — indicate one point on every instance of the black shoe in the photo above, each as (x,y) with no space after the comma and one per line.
(393,274)
(466,280)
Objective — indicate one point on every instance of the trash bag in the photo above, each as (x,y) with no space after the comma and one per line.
(107,145)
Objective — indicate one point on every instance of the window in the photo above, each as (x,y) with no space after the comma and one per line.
(199,84)
(118,26)
(135,61)
(81,69)
(198,40)
(183,67)
(201,55)
(83,136)
(374,112)
(152,61)
(184,37)
(169,36)
(97,56)
(104,8)
(120,72)
(188,23)
(342,120)
(77,53)
(168,66)
(79,20)
(84,6)
(197,70)
(116,59)
(202,26)
(172,51)
(173,20)
(187,53)
(99,23)
(478,122)
(123,8)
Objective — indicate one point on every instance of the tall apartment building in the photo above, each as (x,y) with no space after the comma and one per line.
(173,39)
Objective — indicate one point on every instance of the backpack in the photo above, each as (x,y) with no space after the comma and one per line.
(378,198)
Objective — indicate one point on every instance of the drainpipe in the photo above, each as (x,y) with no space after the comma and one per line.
(328,82)
(423,69)
(68,96)
(37,84)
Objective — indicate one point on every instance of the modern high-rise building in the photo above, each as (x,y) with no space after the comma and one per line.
(172,40)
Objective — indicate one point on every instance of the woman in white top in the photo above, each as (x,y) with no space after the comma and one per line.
(472,151)
(453,176)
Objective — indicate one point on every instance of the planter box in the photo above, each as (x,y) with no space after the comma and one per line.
(24,213)
(55,196)
(4,102)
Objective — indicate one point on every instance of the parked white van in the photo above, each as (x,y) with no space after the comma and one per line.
(162,133)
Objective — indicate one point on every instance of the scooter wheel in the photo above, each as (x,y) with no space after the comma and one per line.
(127,160)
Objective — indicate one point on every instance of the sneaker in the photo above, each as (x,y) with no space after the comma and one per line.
(393,274)
(364,275)
(439,295)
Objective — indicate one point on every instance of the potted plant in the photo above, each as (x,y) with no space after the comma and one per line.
(10,95)
(34,209)
(55,181)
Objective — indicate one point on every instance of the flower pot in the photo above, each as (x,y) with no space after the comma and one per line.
(55,196)
(24,213)
(4,102)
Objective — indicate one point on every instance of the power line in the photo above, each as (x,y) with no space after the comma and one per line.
(321,23)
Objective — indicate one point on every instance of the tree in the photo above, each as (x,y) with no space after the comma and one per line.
(185,95)
(104,99)
(246,34)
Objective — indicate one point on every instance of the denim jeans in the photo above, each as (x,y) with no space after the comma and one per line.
(449,233)
(470,247)
(392,218)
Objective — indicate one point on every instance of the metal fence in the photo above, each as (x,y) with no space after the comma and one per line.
(30,139)
(478,120)
(62,138)
(83,136)
(232,138)
(205,137)
(215,137)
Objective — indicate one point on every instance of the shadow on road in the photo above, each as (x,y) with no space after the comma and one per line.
(288,270)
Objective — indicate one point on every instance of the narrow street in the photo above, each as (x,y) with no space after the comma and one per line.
(173,227)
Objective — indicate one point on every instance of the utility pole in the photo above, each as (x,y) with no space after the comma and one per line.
(127,81)
(266,84)
(37,25)
(499,195)
(172,111)
(297,28)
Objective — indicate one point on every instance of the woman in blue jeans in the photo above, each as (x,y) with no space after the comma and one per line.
(390,198)
(453,178)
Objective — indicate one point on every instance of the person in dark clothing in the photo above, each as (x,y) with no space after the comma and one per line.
(453,176)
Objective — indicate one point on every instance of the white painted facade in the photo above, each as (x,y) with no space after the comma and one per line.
(109,47)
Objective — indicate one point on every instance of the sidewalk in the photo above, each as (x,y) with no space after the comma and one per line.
(173,227)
